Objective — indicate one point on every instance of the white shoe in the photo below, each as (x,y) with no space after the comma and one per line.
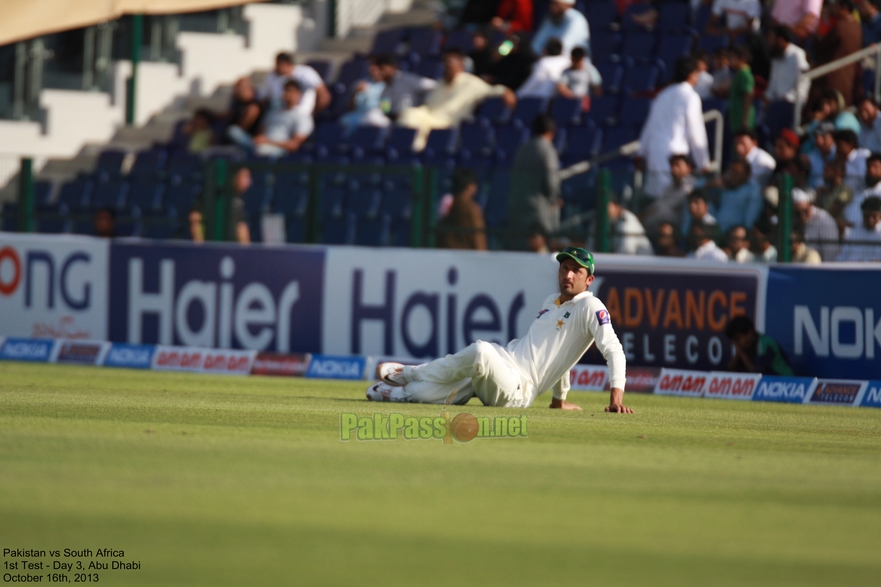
(392,374)
(383,392)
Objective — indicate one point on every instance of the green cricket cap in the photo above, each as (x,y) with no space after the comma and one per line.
(580,256)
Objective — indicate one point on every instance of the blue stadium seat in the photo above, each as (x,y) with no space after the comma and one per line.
(566,111)
(440,146)
(604,44)
(75,193)
(10,217)
(460,39)
(387,42)
(367,140)
(671,48)
(365,203)
(295,230)
(425,43)
(149,163)
(83,225)
(527,109)
(615,138)
(612,72)
(582,144)
(353,70)
(711,43)
(373,232)
(476,140)
(627,23)
(291,194)
(161,228)
(110,163)
(720,104)
(641,79)
(185,166)
(497,206)
(430,68)
(181,195)
(110,194)
(634,111)
(399,148)
(327,140)
(323,68)
(52,224)
(339,230)
(146,194)
(778,115)
(397,199)
(508,139)
(640,45)
(702,17)
(401,234)
(42,192)
(494,111)
(674,17)
(600,15)
(604,110)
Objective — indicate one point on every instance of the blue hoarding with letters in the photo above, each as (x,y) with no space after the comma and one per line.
(217,296)
(328,367)
(27,349)
(872,396)
(133,356)
(828,320)
(790,390)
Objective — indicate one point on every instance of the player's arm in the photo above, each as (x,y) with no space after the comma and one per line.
(600,325)
(561,390)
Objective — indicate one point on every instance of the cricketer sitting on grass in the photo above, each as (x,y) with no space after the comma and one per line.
(513,376)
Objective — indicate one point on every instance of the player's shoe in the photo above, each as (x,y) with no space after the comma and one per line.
(393,374)
(383,392)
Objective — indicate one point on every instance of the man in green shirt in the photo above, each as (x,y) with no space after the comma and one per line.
(755,352)
(741,111)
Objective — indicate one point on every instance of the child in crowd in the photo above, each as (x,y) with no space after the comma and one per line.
(721,73)
(580,79)
(741,111)
(704,86)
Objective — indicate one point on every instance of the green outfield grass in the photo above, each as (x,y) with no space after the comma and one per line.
(222,481)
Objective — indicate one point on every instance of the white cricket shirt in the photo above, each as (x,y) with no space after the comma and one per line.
(558,338)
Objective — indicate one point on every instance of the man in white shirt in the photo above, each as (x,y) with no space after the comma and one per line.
(870,124)
(316,96)
(854,157)
(454,98)
(513,376)
(705,248)
(863,243)
(762,163)
(853,212)
(546,73)
(563,22)
(788,62)
(675,125)
(628,234)
(741,16)
(820,228)
(284,129)
(802,16)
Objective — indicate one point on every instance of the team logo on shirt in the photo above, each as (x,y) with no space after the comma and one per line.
(603,317)
(542,313)
(560,324)
(566,315)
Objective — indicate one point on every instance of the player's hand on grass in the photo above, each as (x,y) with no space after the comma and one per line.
(620,409)
(558,404)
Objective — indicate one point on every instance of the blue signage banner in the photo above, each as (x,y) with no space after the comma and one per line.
(38,350)
(132,356)
(217,296)
(790,390)
(828,320)
(872,396)
(328,367)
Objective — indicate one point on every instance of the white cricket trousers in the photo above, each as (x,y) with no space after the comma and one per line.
(483,369)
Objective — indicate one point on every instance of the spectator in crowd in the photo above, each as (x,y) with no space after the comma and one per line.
(628,234)
(514,66)
(315,95)
(704,85)
(802,16)
(762,236)
(870,124)
(463,227)
(244,109)
(237,224)
(844,38)
(819,227)
(871,21)
(563,22)
(513,16)
(534,202)
(825,151)
(699,212)
(853,215)
(452,100)
(740,17)
(801,252)
(738,245)
(788,63)
(284,130)
(740,201)
(703,247)
(104,222)
(675,125)
(741,112)
(721,73)
(366,101)
(402,89)
(580,79)
(483,55)
(834,194)
(670,206)
(546,73)
(863,243)
(665,241)
(854,157)
(762,163)
(196,227)
(198,129)
(755,352)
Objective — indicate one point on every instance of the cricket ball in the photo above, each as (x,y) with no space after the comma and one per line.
(464,427)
